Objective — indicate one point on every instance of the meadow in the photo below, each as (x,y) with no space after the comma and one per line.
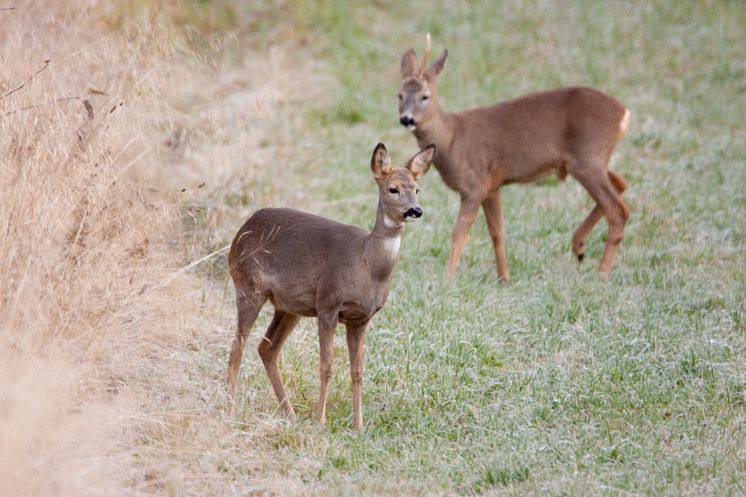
(156,128)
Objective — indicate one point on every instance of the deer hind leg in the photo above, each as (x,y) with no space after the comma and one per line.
(604,191)
(585,228)
(460,235)
(269,350)
(248,303)
(327,326)
(356,349)
(493,213)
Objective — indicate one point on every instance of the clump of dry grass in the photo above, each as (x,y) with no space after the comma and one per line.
(99,151)
(80,246)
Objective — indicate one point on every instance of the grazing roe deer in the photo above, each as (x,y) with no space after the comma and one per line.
(564,131)
(311,266)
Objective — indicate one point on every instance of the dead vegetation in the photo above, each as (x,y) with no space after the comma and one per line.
(112,118)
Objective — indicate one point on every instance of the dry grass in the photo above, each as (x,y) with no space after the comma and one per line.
(101,154)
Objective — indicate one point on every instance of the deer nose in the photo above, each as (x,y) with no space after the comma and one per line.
(406,121)
(414,212)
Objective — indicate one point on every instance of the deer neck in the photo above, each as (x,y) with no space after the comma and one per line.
(437,128)
(382,245)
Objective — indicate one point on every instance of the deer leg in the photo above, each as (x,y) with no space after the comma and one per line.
(248,304)
(327,326)
(460,235)
(493,212)
(614,209)
(617,218)
(269,350)
(356,348)
(585,228)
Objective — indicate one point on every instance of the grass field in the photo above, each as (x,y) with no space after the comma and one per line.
(559,383)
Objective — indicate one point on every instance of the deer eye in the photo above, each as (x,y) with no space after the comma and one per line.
(425,97)
(418,191)
(401,97)
(393,190)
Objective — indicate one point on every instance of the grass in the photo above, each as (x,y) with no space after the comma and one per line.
(559,383)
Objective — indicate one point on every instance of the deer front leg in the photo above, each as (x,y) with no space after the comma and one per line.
(466,216)
(493,213)
(327,326)
(356,348)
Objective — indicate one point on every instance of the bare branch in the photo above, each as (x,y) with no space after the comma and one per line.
(46,65)
(189,266)
(43,104)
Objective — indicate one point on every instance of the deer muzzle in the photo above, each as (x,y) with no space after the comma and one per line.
(408,122)
(412,214)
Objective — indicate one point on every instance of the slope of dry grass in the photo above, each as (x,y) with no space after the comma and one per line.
(108,154)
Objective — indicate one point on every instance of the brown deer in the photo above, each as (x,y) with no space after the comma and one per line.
(564,131)
(310,266)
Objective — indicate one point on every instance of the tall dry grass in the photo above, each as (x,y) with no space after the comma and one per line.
(80,246)
(134,120)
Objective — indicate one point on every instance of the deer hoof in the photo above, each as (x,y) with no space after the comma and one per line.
(580,257)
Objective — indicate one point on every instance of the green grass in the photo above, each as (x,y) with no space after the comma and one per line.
(558,383)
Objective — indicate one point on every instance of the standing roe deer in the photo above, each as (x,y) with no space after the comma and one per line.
(311,266)
(564,131)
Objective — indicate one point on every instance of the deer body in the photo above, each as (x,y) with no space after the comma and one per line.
(564,131)
(310,266)
(322,266)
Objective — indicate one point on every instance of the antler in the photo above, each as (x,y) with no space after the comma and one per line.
(427,53)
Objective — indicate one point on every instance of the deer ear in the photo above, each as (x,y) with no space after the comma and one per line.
(408,64)
(380,163)
(434,71)
(420,163)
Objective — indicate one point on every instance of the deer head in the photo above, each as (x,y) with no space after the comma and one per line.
(398,191)
(418,93)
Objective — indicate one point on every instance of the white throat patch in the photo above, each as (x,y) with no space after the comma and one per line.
(391,246)
(388,222)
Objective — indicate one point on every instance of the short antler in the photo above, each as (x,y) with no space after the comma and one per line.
(427,53)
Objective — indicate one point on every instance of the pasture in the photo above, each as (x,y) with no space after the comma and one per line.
(559,383)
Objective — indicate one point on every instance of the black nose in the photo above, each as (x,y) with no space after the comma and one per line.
(415,212)
(406,120)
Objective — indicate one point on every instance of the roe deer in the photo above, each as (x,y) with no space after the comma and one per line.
(564,131)
(311,266)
